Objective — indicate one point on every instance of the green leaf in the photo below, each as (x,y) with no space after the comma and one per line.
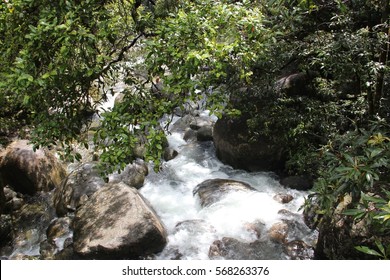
(368,251)
(353,212)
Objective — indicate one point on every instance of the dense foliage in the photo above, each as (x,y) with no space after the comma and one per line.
(61,60)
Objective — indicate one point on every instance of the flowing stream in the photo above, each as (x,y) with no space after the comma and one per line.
(237,226)
(192,229)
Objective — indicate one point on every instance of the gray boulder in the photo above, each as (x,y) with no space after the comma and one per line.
(78,186)
(233,147)
(86,180)
(117,223)
(205,133)
(133,175)
(211,191)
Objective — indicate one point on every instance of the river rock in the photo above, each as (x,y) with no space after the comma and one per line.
(211,191)
(193,232)
(28,171)
(117,223)
(30,223)
(233,249)
(193,122)
(133,175)
(283,198)
(233,147)
(80,184)
(58,229)
(190,135)
(256,227)
(278,232)
(205,133)
(182,124)
(288,230)
(170,153)
(299,250)
(199,122)
(198,226)
(13,200)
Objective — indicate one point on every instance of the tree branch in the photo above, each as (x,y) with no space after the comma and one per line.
(120,55)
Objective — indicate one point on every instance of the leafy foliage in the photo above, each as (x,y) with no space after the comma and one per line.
(59,51)
(355,165)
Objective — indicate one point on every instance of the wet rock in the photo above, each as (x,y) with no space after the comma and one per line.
(182,124)
(256,228)
(299,250)
(301,183)
(13,200)
(199,122)
(66,254)
(14,204)
(59,228)
(47,250)
(28,171)
(211,191)
(78,186)
(233,249)
(288,230)
(283,198)
(117,223)
(197,226)
(133,175)
(190,135)
(194,232)
(30,224)
(278,232)
(288,214)
(233,147)
(170,154)
(205,133)
(191,122)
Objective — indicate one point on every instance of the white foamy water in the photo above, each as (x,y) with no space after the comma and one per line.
(191,228)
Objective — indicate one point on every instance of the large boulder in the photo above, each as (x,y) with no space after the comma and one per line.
(233,147)
(198,128)
(85,180)
(117,223)
(80,184)
(212,190)
(28,171)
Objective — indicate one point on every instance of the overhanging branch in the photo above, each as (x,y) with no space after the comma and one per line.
(120,56)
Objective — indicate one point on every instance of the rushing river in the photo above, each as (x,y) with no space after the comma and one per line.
(192,229)
(238,221)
